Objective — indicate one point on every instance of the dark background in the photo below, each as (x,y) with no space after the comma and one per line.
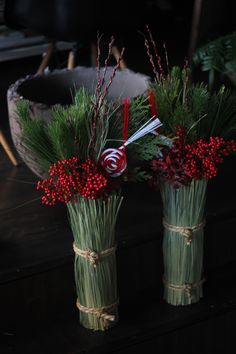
(37,312)
(175,23)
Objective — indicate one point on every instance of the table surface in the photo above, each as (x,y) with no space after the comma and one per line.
(35,239)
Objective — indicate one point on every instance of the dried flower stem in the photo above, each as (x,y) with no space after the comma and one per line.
(158,58)
(167,59)
(98,87)
(116,67)
(155,71)
(101,88)
(185,82)
(110,45)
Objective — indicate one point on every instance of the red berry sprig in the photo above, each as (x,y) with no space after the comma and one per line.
(70,178)
(203,157)
(183,161)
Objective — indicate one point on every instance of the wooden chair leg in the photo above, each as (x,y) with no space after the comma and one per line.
(94,54)
(116,54)
(71,60)
(196,17)
(46,59)
(7,149)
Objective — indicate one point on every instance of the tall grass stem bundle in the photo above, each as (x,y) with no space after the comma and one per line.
(93,225)
(183,260)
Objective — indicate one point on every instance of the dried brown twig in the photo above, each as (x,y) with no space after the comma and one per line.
(102,88)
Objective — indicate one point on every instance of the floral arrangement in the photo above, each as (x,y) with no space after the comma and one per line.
(198,132)
(183,161)
(85,151)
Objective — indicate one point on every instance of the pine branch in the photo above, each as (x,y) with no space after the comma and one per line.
(217,55)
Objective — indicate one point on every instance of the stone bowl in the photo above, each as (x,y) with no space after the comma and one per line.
(57,87)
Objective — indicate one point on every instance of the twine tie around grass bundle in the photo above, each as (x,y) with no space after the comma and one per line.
(92,256)
(185,231)
(187,287)
(100,312)
(93,223)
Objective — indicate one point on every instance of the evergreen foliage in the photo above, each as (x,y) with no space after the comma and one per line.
(218,55)
(70,131)
(179,101)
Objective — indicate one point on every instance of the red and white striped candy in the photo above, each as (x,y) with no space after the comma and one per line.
(113,161)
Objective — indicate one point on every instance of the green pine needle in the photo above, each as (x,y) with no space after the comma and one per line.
(182,102)
(218,56)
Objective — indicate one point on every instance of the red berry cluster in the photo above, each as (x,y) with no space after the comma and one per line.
(203,157)
(70,178)
(184,161)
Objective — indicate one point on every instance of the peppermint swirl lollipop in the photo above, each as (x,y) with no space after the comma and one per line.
(113,161)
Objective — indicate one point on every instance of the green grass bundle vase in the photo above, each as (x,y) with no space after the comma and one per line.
(197,133)
(93,224)
(183,223)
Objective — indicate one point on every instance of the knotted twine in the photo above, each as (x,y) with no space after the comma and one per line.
(187,287)
(92,256)
(185,231)
(100,312)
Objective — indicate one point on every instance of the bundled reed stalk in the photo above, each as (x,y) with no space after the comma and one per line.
(198,132)
(93,225)
(183,222)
